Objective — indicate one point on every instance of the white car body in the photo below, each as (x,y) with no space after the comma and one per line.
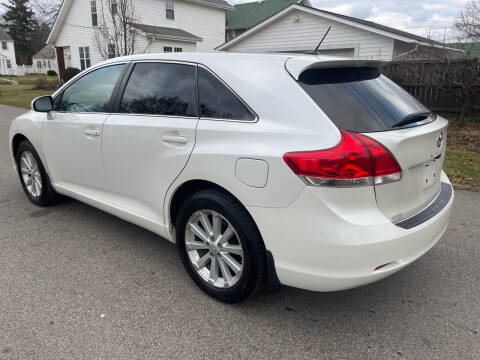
(321,238)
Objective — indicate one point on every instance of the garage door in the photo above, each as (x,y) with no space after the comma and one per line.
(347,52)
(338,52)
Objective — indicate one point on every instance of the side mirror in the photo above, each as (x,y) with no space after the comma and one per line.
(43,104)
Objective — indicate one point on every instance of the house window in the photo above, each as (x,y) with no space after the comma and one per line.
(49,64)
(39,64)
(111,51)
(84,57)
(9,64)
(93,5)
(114,7)
(170,9)
(167,49)
(178,49)
(4,45)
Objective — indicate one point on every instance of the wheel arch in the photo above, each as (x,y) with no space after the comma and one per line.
(187,189)
(16,141)
(190,187)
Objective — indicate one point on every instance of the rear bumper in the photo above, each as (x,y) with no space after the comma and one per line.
(334,239)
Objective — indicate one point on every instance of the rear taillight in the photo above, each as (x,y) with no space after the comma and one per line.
(356,161)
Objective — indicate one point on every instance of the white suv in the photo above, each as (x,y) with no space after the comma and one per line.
(309,171)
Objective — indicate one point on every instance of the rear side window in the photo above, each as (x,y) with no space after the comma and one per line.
(359,99)
(217,101)
(161,89)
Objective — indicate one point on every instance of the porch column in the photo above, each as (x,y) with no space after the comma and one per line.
(60,62)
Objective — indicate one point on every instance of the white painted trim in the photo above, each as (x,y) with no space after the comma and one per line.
(206,3)
(60,18)
(166,37)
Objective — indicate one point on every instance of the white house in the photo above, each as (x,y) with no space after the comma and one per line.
(44,60)
(299,28)
(8,62)
(163,26)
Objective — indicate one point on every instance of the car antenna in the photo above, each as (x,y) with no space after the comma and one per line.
(315,52)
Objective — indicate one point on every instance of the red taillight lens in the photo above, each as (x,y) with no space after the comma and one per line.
(356,160)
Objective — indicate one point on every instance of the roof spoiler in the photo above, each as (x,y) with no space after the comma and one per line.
(297,65)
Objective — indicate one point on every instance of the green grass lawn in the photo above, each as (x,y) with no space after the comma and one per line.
(19,90)
(462,160)
(463,168)
(20,95)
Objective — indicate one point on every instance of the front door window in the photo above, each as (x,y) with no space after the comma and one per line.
(92,92)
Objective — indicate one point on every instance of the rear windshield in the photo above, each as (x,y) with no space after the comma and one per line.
(361,99)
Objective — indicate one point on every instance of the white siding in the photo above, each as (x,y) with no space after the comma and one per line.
(205,22)
(10,55)
(303,31)
(77,31)
(45,65)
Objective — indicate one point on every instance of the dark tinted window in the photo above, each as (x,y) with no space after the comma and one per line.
(217,101)
(359,99)
(92,92)
(161,89)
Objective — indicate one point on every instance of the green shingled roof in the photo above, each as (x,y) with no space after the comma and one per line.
(250,14)
(472,50)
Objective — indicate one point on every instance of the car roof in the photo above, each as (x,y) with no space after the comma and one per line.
(201,57)
(220,57)
(294,63)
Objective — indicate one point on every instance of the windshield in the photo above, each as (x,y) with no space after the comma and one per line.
(361,99)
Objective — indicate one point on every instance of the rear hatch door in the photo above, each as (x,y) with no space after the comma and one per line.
(420,151)
(358,98)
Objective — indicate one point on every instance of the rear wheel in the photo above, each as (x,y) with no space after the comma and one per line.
(220,246)
(33,177)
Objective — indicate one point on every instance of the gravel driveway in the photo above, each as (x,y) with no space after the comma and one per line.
(77,283)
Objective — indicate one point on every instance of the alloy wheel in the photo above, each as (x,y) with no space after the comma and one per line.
(214,249)
(31,175)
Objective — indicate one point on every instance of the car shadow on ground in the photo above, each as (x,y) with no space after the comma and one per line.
(401,288)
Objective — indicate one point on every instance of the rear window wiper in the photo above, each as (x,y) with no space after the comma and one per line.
(412,118)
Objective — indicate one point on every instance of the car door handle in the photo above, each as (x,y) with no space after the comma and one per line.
(178,139)
(92,132)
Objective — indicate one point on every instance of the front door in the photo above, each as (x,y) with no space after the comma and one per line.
(72,134)
(148,142)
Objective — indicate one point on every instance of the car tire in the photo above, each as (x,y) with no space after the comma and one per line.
(36,183)
(229,287)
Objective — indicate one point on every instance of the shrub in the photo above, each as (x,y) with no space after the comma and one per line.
(69,73)
(44,84)
(51,73)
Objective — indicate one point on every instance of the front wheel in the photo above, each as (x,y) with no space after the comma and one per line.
(220,246)
(33,177)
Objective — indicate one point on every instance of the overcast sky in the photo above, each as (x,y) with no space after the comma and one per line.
(416,16)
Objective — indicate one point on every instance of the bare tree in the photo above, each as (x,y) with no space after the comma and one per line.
(115,33)
(46,11)
(468,22)
(436,67)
